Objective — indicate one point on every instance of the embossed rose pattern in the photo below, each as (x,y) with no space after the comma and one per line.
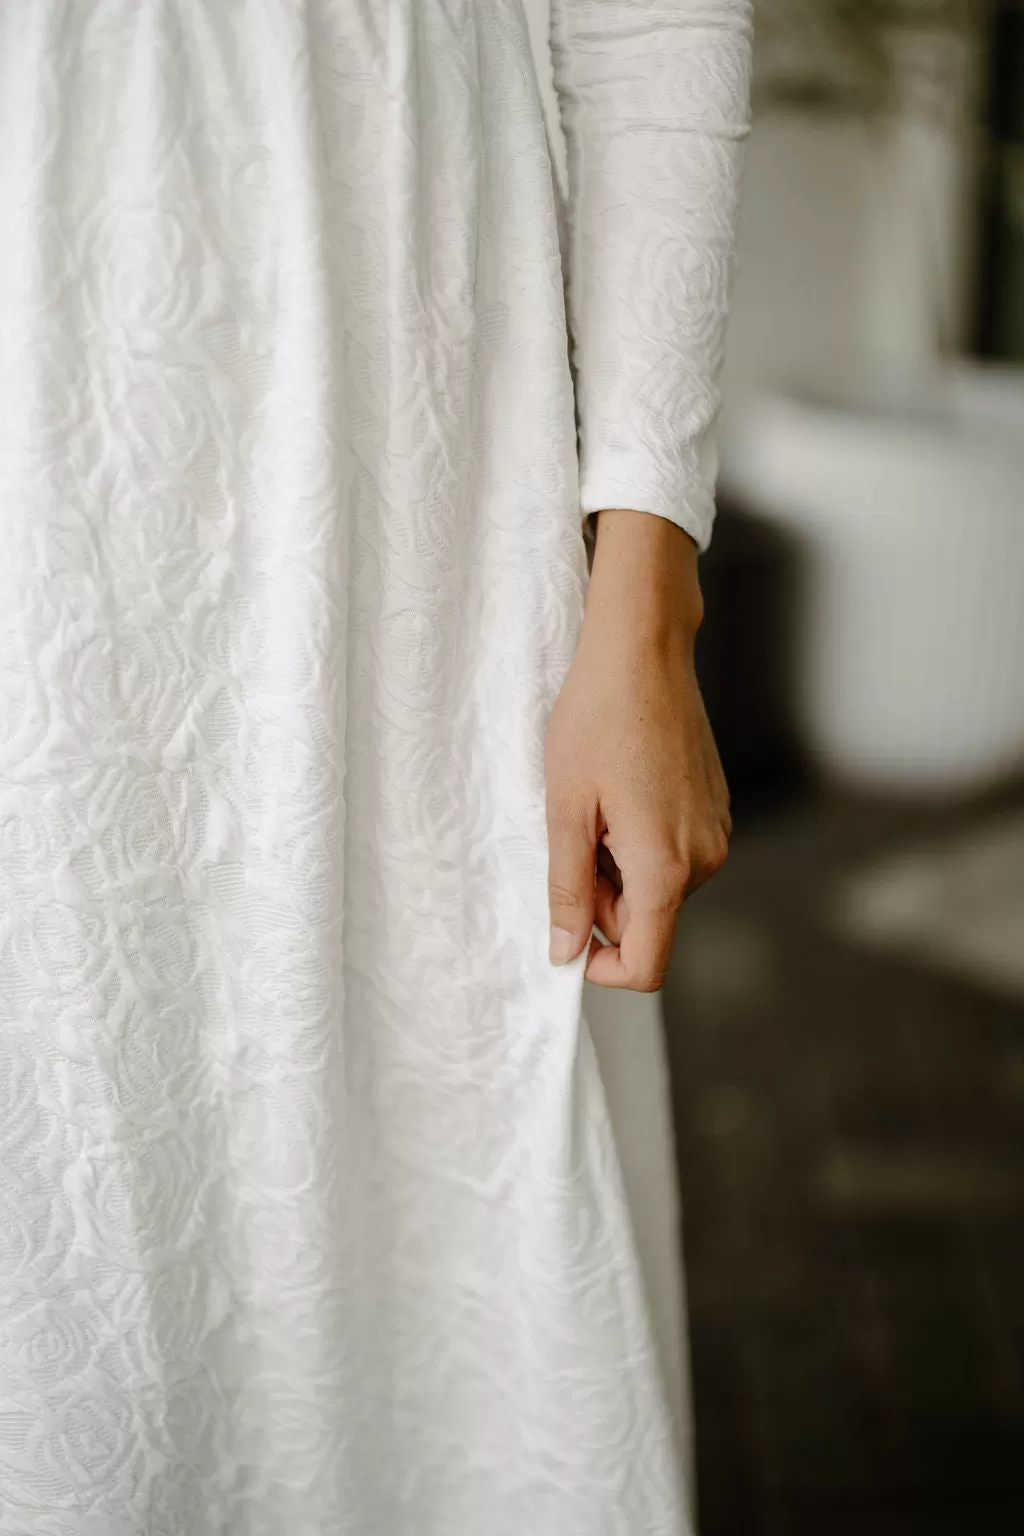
(310,1219)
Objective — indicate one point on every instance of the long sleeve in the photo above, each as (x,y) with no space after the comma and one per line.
(653,96)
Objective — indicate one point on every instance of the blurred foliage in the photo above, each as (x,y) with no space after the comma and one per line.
(861,56)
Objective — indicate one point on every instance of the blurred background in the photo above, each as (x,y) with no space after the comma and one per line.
(845,1016)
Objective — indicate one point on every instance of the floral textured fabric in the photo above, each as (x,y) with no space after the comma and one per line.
(310,1217)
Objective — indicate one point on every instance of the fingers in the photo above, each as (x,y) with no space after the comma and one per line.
(572,852)
(640,960)
(640,921)
(672,825)
(610,906)
(610,913)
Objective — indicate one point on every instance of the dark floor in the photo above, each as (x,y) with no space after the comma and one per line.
(851,1140)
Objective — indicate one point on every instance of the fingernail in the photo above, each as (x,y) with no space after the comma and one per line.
(563,946)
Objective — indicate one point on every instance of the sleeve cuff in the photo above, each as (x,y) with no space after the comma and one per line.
(632,486)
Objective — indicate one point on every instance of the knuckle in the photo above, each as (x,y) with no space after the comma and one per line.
(709,854)
(647,972)
(650,980)
(717,851)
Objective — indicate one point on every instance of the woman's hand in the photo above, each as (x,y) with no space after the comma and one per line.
(637,804)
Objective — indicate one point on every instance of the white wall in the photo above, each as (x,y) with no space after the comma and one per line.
(853,255)
(855,252)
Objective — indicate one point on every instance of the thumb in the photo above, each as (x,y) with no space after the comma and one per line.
(572,854)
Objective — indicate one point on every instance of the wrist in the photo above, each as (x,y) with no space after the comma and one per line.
(644,576)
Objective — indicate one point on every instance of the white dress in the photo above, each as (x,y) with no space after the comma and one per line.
(310,1216)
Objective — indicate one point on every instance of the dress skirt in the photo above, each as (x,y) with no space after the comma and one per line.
(311,1218)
